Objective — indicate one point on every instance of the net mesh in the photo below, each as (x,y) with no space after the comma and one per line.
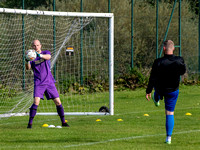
(79,61)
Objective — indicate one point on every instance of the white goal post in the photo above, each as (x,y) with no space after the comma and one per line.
(77,87)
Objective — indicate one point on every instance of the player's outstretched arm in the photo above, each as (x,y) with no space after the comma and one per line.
(44,56)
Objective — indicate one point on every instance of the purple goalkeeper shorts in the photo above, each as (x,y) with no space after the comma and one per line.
(50,91)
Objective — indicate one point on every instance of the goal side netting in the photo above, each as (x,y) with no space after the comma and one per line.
(81,45)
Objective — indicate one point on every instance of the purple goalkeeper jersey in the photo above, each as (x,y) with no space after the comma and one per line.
(42,72)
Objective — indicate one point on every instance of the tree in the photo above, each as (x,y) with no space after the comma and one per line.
(28,4)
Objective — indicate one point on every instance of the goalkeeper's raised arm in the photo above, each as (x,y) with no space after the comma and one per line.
(43,56)
(36,45)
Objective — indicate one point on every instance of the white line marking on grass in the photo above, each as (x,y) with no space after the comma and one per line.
(94,143)
(127,138)
(160,110)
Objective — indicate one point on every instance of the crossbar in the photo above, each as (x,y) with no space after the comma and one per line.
(54,13)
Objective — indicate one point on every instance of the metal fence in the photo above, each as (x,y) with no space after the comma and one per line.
(141,27)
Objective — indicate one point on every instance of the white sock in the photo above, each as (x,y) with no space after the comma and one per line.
(168,139)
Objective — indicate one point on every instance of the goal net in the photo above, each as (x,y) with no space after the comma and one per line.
(81,45)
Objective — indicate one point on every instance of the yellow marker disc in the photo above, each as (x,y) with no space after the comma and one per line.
(188,114)
(98,120)
(119,120)
(146,115)
(45,125)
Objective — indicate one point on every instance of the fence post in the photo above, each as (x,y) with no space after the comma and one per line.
(81,46)
(132,21)
(54,36)
(23,49)
(157,3)
(199,38)
(167,27)
(179,36)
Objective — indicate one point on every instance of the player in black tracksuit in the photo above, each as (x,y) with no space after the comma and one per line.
(165,78)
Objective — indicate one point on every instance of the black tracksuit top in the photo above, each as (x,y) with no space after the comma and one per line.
(165,74)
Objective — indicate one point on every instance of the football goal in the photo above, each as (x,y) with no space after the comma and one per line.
(82,49)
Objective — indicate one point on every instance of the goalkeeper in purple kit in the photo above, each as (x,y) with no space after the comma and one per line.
(165,78)
(44,83)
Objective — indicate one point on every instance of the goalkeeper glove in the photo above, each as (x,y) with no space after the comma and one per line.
(39,55)
(27,61)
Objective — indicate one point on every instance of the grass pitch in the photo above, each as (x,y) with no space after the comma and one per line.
(128,129)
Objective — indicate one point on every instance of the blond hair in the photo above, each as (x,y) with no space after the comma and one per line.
(169,45)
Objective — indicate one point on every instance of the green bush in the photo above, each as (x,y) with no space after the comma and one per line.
(131,80)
